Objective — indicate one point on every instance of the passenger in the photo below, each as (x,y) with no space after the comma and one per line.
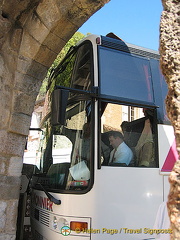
(145,145)
(105,153)
(121,152)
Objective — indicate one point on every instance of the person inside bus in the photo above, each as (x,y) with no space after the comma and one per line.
(121,153)
(138,135)
(145,145)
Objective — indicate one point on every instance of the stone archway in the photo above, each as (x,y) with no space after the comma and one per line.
(32,33)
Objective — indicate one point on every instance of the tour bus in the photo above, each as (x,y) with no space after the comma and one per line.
(103,86)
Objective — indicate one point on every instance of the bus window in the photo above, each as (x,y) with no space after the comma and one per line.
(120,73)
(82,68)
(66,151)
(127,136)
(75,71)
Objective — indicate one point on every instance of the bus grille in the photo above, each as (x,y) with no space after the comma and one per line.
(41,216)
(44,218)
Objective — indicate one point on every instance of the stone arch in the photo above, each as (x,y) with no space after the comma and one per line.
(32,33)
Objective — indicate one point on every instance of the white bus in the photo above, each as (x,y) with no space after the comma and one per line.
(110,86)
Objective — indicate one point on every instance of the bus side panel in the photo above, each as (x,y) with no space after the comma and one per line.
(130,197)
(121,205)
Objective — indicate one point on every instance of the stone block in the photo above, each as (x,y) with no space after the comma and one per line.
(78,12)
(45,56)
(27,84)
(65,29)
(49,13)
(13,8)
(11,166)
(10,59)
(31,67)
(8,216)
(38,70)
(12,144)
(54,43)
(1,65)
(24,3)
(2,166)
(20,123)
(63,8)
(24,103)
(23,64)
(3,207)
(6,102)
(5,25)
(15,166)
(29,46)
(36,28)
(7,237)
(16,37)
(10,187)
(4,163)
(12,206)
(82,13)
(5,114)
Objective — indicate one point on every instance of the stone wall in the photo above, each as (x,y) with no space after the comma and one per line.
(170,65)
(32,33)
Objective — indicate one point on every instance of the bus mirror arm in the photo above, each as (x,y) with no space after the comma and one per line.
(51,198)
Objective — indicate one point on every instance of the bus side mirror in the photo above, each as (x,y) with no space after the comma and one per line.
(58,107)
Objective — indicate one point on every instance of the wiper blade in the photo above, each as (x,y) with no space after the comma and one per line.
(51,198)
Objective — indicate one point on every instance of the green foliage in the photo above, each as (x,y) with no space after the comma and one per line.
(76,38)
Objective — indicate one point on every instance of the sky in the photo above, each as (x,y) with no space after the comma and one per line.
(135,21)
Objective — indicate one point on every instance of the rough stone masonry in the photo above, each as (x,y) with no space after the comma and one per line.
(170,65)
(32,33)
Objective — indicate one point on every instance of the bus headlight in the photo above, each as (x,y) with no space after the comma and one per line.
(55,225)
(62,222)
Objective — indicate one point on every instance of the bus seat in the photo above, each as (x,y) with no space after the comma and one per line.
(105,139)
(58,173)
(132,132)
(106,148)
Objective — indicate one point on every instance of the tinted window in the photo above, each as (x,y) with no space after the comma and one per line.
(124,75)
(75,70)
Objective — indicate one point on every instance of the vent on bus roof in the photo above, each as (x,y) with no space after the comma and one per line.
(130,48)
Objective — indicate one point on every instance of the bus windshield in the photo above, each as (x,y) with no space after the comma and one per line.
(66,149)
(66,155)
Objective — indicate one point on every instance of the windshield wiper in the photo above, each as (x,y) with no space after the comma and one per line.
(51,198)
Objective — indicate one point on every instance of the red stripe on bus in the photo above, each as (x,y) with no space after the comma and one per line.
(171,158)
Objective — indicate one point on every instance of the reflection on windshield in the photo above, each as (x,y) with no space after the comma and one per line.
(66,153)
(66,150)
